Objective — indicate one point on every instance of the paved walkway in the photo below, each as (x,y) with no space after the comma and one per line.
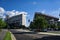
(2,34)
(49,33)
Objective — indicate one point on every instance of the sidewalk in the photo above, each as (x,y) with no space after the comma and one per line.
(2,34)
(48,33)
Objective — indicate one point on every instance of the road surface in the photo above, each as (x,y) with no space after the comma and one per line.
(33,36)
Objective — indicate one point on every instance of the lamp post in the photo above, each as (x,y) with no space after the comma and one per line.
(59,17)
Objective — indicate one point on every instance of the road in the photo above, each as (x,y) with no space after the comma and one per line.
(33,36)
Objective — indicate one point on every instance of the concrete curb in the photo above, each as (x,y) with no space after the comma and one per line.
(12,36)
(49,33)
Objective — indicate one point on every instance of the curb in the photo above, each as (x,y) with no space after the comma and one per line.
(12,36)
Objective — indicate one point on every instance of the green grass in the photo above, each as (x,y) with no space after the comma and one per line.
(7,36)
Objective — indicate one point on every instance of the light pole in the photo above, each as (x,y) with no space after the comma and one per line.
(59,18)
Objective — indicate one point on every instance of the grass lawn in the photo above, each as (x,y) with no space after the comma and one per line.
(7,36)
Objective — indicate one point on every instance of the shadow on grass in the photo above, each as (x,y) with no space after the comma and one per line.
(49,38)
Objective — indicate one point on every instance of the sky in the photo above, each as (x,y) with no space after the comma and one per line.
(12,7)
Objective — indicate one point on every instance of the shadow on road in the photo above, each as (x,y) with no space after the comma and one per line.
(21,32)
(25,33)
(49,38)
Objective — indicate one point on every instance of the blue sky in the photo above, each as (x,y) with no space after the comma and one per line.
(50,7)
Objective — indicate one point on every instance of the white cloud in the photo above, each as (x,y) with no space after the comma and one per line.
(56,12)
(34,2)
(23,12)
(10,13)
(2,10)
(4,16)
(17,13)
(43,11)
(14,13)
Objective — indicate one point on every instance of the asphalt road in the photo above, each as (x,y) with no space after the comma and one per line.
(41,37)
(33,36)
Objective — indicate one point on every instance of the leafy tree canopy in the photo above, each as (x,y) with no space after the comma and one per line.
(2,23)
(39,22)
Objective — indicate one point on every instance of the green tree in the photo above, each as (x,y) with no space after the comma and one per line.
(32,25)
(59,24)
(39,23)
(2,23)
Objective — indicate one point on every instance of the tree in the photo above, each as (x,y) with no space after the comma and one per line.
(2,23)
(59,25)
(39,23)
(32,25)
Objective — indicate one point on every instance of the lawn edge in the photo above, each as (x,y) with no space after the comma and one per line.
(12,36)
